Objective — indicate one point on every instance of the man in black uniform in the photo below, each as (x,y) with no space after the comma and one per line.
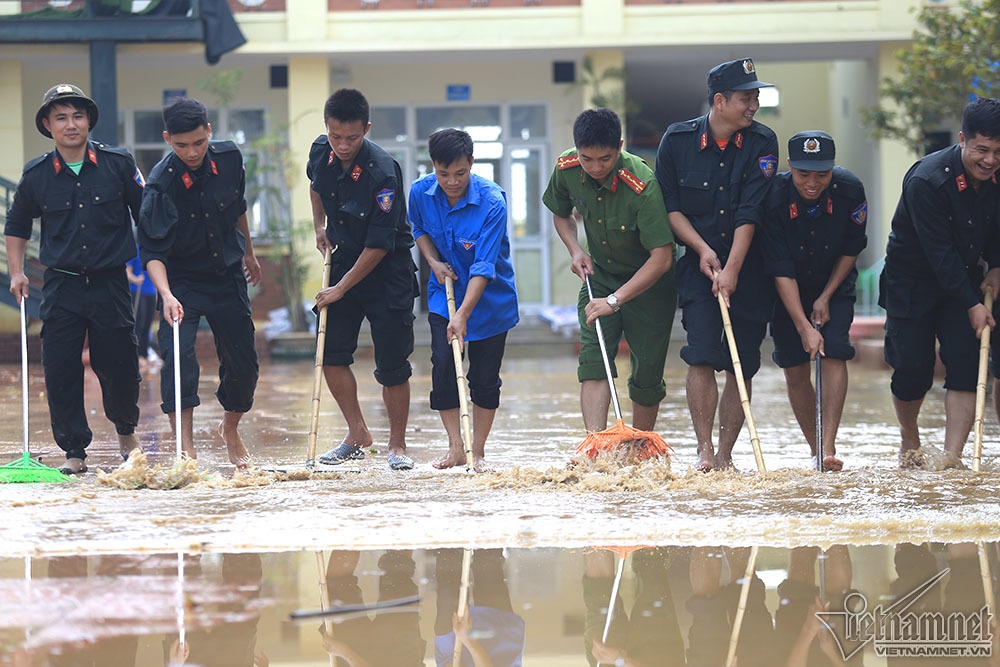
(714,171)
(359,211)
(195,243)
(946,221)
(84,192)
(814,229)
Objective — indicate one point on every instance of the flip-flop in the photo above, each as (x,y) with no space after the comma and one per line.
(400,462)
(343,452)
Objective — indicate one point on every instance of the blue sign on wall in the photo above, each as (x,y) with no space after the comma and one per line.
(458,92)
(170,95)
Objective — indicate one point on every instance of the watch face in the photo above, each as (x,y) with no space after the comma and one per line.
(612,300)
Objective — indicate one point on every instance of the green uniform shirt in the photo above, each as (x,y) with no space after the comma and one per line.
(623,217)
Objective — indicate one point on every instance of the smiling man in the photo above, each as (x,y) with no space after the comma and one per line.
(944,226)
(460,225)
(86,195)
(628,258)
(714,172)
(815,217)
(194,241)
(359,211)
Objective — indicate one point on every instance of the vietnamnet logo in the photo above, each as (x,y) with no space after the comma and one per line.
(895,632)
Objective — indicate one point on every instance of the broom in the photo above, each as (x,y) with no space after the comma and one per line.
(26,469)
(648,445)
(984,355)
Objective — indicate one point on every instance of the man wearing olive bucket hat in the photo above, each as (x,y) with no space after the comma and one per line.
(84,192)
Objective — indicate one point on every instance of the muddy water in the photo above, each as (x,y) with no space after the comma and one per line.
(668,605)
(532,501)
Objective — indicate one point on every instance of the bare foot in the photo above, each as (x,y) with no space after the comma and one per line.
(188,451)
(911,459)
(452,460)
(832,464)
(238,454)
(724,462)
(127,444)
(952,461)
(706,461)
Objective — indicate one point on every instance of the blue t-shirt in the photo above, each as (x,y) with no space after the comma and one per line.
(500,633)
(472,238)
(147,286)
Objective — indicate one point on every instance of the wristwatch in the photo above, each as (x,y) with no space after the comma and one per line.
(613,302)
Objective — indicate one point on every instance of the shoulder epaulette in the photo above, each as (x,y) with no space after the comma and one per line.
(847,184)
(222,146)
(632,181)
(115,150)
(321,139)
(683,126)
(567,161)
(37,161)
(760,128)
(161,175)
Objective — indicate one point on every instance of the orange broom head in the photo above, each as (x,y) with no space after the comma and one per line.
(625,551)
(625,441)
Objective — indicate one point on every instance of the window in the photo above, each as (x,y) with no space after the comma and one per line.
(141,131)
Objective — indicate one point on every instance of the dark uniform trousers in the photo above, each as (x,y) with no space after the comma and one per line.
(226,306)
(73,308)
(365,208)
(485,358)
(944,224)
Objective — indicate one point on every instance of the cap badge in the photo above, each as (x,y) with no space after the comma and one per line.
(811,145)
(64,88)
(748,67)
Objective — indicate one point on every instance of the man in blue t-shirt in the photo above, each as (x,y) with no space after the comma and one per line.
(143,307)
(460,225)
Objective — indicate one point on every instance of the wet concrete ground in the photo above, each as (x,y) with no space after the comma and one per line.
(529,502)
(674,606)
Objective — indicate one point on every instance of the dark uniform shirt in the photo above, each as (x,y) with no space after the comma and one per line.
(86,226)
(805,241)
(717,190)
(365,206)
(188,219)
(623,217)
(941,227)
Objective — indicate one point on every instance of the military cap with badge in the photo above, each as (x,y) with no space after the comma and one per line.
(739,74)
(811,150)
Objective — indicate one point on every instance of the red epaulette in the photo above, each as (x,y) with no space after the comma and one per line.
(567,161)
(631,180)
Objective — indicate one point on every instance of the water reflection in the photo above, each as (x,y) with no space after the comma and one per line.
(603,605)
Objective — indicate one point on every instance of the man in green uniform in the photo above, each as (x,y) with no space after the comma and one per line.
(630,255)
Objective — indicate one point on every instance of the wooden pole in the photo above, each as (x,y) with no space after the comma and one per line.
(984,355)
(318,367)
(987,575)
(463,601)
(463,383)
(740,384)
(734,638)
(324,591)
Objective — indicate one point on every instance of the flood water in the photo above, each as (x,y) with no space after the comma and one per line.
(103,560)
(548,606)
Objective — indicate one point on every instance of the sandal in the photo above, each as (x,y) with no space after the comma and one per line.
(344,452)
(400,462)
(73,467)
